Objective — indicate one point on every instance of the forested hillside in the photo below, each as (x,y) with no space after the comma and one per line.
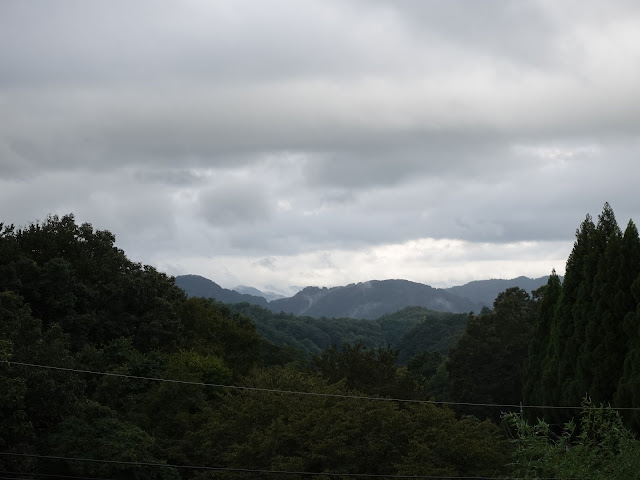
(366,300)
(410,331)
(108,370)
(371,300)
(197,286)
(354,301)
(486,291)
(70,300)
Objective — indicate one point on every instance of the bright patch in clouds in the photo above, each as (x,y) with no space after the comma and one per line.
(323,142)
(451,262)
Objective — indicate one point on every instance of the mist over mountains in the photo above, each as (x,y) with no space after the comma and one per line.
(268,295)
(197,286)
(365,300)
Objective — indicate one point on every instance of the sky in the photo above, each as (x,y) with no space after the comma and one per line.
(287,143)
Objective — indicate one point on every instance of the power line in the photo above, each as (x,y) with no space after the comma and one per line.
(273,472)
(310,394)
(33,474)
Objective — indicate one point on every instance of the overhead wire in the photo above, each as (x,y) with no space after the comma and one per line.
(274,472)
(47,475)
(310,394)
(280,391)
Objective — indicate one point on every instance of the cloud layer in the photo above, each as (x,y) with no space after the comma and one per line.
(323,142)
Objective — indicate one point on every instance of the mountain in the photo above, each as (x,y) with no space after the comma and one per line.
(411,330)
(268,295)
(197,286)
(486,291)
(371,300)
(363,300)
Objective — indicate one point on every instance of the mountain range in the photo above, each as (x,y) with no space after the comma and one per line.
(365,300)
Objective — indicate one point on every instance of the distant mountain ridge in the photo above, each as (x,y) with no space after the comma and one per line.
(197,286)
(258,293)
(486,291)
(371,300)
(366,300)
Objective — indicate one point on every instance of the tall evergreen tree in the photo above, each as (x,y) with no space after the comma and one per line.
(628,391)
(533,392)
(610,342)
(486,364)
(595,310)
(566,334)
(593,335)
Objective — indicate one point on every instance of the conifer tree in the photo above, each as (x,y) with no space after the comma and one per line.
(532,374)
(622,261)
(596,311)
(566,334)
(593,344)
(628,391)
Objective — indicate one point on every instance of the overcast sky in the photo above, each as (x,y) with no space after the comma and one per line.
(289,142)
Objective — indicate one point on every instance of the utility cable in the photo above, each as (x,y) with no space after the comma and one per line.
(33,474)
(310,394)
(274,472)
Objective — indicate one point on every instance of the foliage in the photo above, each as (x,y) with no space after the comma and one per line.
(325,434)
(586,337)
(370,300)
(411,330)
(367,370)
(486,364)
(426,363)
(436,332)
(532,389)
(70,299)
(597,447)
(96,432)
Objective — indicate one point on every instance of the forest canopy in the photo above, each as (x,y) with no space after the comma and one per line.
(108,370)
(70,299)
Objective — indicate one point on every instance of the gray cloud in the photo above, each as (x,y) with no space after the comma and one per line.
(267,262)
(177,177)
(242,136)
(226,205)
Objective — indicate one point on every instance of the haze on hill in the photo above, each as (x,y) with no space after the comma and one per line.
(368,299)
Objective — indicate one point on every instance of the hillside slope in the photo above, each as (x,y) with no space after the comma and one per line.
(371,300)
(197,286)
(486,291)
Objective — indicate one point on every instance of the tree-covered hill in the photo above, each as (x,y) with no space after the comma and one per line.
(486,291)
(84,331)
(366,300)
(363,300)
(371,300)
(108,370)
(268,295)
(434,332)
(411,330)
(197,286)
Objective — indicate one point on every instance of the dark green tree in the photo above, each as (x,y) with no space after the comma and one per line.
(373,371)
(486,364)
(596,311)
(283,431)
(532,387)
(628,391)
(96,432)
(568,327)
(598,447)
